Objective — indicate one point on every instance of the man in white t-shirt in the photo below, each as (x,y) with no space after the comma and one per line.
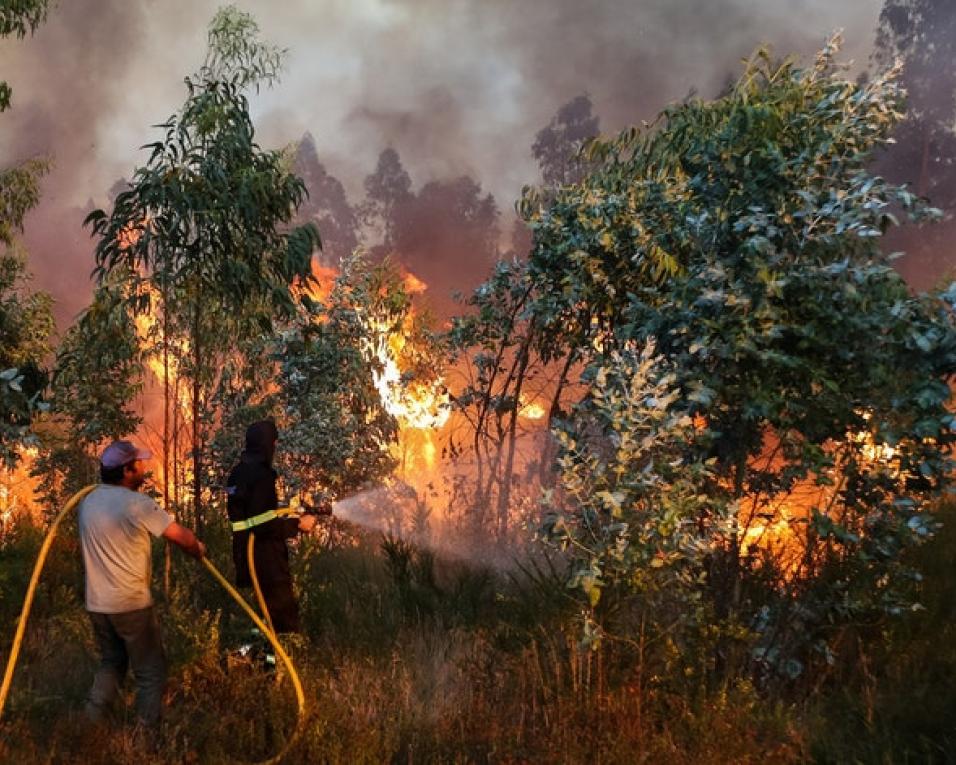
(116,524)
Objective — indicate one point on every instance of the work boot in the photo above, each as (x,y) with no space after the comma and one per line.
(256,652)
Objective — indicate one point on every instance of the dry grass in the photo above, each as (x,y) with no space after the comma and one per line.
(448,665)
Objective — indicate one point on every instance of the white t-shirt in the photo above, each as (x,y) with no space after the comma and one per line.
(115,524)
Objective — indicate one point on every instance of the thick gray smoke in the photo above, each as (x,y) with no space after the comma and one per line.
(457,87)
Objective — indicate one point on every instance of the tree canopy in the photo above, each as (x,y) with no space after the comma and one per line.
(740,238)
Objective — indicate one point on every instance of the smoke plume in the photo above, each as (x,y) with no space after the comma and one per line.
(458,88)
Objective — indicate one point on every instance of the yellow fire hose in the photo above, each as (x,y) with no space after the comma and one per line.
(31,591)
(266,629)
(281,512)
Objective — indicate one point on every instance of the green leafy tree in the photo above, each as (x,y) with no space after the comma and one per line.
(507,366)
(628,507)
(742,236)
(25,318)
(26,324)
(99,370)
(96,381)
(337,435)
(19,18)
(206,219)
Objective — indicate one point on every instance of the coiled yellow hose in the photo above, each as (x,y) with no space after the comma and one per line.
(263,627)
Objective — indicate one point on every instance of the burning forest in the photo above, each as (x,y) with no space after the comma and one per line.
(657,467)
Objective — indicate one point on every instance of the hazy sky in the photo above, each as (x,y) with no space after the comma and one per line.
(456,86)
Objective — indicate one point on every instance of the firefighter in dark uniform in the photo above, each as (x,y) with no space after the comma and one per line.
(252,502)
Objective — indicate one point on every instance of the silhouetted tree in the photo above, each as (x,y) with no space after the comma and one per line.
(922,33)
(387,191)
(556,145)
(327,205)
(448,233)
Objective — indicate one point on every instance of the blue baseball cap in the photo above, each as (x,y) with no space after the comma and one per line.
(121,453)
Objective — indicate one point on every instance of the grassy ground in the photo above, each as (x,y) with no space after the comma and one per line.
(409,658)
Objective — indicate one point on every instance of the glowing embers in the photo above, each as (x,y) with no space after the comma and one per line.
(531,410)
(874,453)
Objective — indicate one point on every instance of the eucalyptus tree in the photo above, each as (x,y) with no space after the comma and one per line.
(337,435)
(19,19)
(510,363)
(26,324)
(207,219)
(97,377)
(788,448)
(99,368)
(26,321)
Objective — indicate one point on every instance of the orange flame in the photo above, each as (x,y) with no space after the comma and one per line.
(18,487)
(420,407)
(531,410)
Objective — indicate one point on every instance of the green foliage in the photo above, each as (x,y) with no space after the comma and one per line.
(206,218)
(336,433)
(96,379)
(235,53)
(463,600)
(99,370)
(19,18)
(19,193)
(741,235)
(208,210)
(26,323)
(244,393)
(206,222)
(63,464)
(631,515)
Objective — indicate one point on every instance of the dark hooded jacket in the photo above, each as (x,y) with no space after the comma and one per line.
(251,490)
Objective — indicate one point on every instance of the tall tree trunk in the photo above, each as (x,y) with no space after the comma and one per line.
(546,472)
(167,558)
(504,495)
(177,474)
(197,392)
(740,473)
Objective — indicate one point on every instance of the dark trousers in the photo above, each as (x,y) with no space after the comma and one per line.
(283,610)
(128,640)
